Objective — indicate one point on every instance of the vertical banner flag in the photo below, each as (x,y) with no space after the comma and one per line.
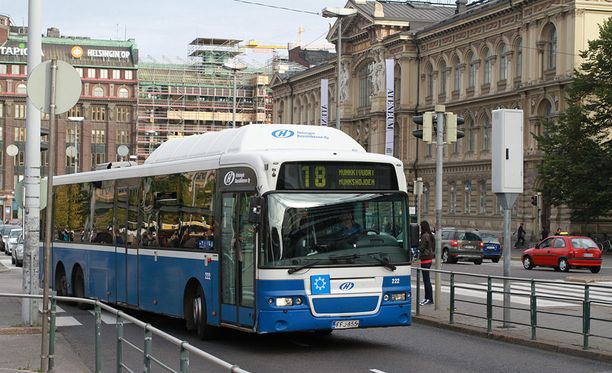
(324,102)
(390,67)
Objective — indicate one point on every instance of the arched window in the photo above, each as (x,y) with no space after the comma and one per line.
(430,84)
(471,135)
(98,92)
(503,63)
(425,199)
(483,197)
(472,70)
(552,48)
(21,89)
(442,78)
(364,86)
(467,199)
(486,134)
(486,74)
(518,52)
(452,206)
(123,93)
(457,74)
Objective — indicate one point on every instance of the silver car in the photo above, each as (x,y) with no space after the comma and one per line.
(12,239)
(17,252)
(4,231)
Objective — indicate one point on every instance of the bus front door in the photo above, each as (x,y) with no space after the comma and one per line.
(237,261)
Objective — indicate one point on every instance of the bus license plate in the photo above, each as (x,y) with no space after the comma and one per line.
(346,324)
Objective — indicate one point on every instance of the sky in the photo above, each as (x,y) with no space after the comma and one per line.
(165,28)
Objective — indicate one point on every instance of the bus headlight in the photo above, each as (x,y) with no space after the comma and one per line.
(284,302)
(398,297)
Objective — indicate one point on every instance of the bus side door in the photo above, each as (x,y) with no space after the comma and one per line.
(126,238)
(237,261)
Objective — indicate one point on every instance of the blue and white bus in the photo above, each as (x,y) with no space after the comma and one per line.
(244,228)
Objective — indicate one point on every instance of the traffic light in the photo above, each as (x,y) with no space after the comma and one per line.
(426,120)
(44,139)
(534,200)
(450,134)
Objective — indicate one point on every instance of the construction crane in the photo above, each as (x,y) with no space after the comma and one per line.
(253,44)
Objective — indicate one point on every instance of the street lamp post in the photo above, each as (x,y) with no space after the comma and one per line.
(234,67)
(338,13)
(76,121)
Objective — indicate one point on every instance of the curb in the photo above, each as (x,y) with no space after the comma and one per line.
(20,330)
(542,345)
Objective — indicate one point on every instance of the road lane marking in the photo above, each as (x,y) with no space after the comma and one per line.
(377,371)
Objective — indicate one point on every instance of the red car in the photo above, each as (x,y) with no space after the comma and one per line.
(563,253)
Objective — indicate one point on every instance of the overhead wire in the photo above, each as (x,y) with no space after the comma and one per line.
(279,7)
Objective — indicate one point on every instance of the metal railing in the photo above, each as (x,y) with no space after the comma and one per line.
(184,348)
(585,302)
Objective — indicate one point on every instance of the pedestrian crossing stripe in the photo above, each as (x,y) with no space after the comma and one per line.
(109,318)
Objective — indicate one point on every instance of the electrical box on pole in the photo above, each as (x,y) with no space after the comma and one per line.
(507,151)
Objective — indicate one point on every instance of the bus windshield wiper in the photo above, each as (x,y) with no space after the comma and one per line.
(307,265)
(384,261)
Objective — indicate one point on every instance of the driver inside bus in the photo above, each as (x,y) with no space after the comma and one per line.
(348,226)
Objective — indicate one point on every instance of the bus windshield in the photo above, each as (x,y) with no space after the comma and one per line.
(314,229)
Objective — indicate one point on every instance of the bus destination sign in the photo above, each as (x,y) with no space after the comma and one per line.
(336,176)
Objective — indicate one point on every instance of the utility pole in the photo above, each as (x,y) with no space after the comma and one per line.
(29,307)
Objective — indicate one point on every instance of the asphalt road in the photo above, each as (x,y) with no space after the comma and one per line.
(417,348)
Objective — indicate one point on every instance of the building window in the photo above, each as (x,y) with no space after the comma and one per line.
(80,71)
(15,69)
(128,74)
(75,111)
(457,75)
(123,113)
(472,70)
(91,73)
(98,113)
(519,57)
(20,111)
(425,199)
(364,86)
(116,74)
(21,89)
(2,68)
(103,74)
(552,48)
(486,134)
(503,63)
(123,136)
(98,92)
(471,136)
(430,81)
(467,199)
(456,147)
(19,159)
(486,74)
(1,115)
(20,134)
(123,93)
(443,78)
(98,137)
(97,158)
(483,197)
(452,205)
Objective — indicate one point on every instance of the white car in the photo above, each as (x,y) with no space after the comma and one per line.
(12,239)
(17,252)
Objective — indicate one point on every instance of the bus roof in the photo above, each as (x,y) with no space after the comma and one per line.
(254,137)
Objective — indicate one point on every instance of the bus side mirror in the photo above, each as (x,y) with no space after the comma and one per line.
(255,204)
(414,235)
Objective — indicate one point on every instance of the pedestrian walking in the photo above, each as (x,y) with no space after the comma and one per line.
(426,247)
(520,236)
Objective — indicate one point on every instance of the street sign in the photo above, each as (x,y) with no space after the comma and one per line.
(19,193)
(123,150)
(71,151)
(12,150)
(68,84)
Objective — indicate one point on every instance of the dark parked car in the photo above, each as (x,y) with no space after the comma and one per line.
(492,248)
(461,244)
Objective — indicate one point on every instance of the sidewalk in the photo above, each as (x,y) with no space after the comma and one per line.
(568,343)
(20,351)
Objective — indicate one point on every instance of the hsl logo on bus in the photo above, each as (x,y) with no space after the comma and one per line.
(229,178)
(283,134)
(346,286)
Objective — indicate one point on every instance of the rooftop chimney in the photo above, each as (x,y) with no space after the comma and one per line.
(461,6)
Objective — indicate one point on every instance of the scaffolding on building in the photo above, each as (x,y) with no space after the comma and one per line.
(177,100)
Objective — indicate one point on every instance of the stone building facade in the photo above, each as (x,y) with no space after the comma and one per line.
(471,58)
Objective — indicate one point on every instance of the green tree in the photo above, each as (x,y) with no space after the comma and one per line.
(577,166)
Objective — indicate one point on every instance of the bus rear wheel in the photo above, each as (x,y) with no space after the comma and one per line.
(198,315)
(61,285)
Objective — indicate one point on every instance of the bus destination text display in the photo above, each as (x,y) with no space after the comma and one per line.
(336,176)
